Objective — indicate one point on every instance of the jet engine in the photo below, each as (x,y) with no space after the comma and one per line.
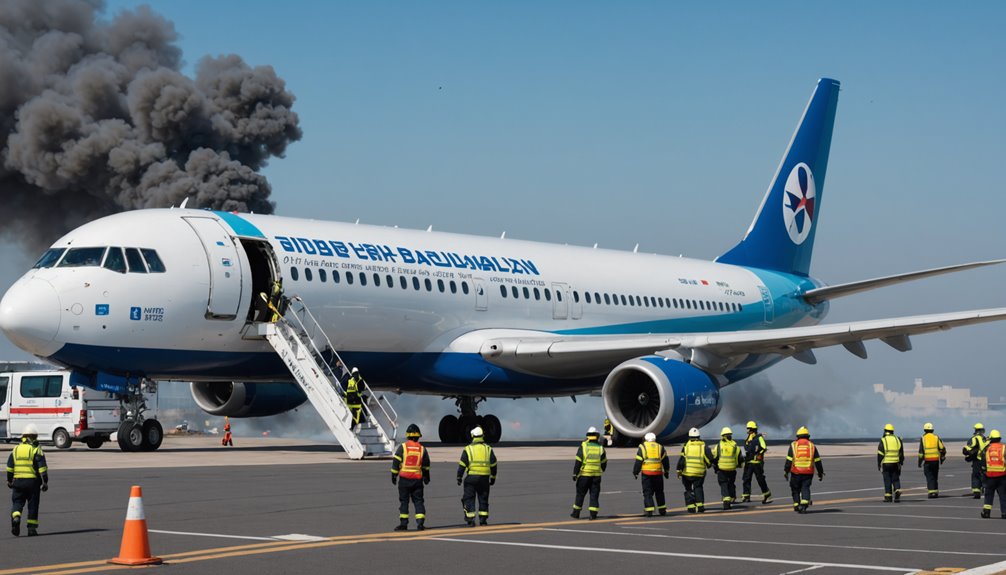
(235,399)
(661,395)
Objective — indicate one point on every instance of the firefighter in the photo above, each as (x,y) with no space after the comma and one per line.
(228,439)
(480,462)
(972,451)
(726,460)
(754,457)
(653,463)
(609,432)
(353,400)
(993,461)
(590,463)
(27,477)
(801,461)
(276,300)
(410,470)
(695,459)
(890,458)
(931,454)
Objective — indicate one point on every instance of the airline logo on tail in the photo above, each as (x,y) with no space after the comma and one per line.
(798,203)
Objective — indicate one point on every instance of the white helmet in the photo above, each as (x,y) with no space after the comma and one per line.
(30,429)
(592,431)
(649,437)
(477,432)
(355,370)
(693,432)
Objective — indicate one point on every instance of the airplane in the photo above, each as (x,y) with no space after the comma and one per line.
(170,294)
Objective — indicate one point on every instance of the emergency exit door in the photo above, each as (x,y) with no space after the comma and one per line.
(224,268)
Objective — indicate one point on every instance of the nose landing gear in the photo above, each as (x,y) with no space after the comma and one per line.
(457,429)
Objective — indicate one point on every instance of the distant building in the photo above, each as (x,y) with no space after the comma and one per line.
(930,400)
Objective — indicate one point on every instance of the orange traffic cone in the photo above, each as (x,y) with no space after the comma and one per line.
(135,548)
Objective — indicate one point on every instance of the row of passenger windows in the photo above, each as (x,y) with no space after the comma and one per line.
(528,293)
(122,260)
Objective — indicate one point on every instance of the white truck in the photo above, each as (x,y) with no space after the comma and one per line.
(62,411)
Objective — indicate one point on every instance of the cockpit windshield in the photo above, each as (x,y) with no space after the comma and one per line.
(49,258)
(82,257)
(115,259)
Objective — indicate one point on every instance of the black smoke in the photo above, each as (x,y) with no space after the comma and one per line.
(97,118)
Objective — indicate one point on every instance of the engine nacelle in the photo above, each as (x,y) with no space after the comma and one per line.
(660,395)
(235,399)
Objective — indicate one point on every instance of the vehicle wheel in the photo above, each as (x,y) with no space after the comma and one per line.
(94,442)
(493,428)
(61,439)
(130,436)
(153,435)
(467,424)
(449,429)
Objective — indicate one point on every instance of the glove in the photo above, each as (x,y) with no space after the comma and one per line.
(10,485)
(786,475)
(678,473)
(426,480)
(459,480)
(920,463)
(492,481)
(45,487)
(394,479)
(666,475)
(820,476)
(635,476)
(879,467)
(942,459)
(574,479)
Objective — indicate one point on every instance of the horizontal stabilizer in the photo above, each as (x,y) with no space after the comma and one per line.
(816,296)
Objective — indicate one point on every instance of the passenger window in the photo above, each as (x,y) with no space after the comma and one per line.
(41,386)
(440,285)
(586,296)
(403,282)
(464,287)
(607,300)
(49,258)
(115,261)
(688,304)
(335,276)
(136,265)
(294,274)
(363,279)
(454,287)
(153,261)
(415,283)
(632,301)
(558,295)
(390,281)
(3,389)
(377,280)
(503,291)
(513,290)
(548,295)
(322,276)
(597,297)
(429,284)
(527,293)
(576,296)
(646,300)
(622,297)
(349,278)
(87,257)
(308,276)
(660,301)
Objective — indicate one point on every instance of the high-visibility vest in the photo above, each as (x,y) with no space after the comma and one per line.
(728,454)
(755,444)
(412,460)
(695,458)
(478,459)
(976,445)
(24,461)
(931,446)
(591,464)
(995,463)
(803,457)
(892,446)
(652,458)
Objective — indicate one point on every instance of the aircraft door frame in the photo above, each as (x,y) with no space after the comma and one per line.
(767,304)
(560,300)
(575,304)
(224,264)
(481,294)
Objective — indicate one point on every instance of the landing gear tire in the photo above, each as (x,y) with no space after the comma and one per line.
(94,442)
(492,427)
(153,435)
(620,440)
(450,429)
(130,436)
(61,439)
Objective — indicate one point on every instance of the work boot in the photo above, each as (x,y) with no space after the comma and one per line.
(897,497)
(691,510)
(575,514)
(747,499)
(986,513)
(888,499)
(647,514)
(32,531)
(801,508)
(978,495)
(470,521)
(701,508)
(15,526)
(593,515)
(767,500)
(403,525)
(662,512)
(483,521)
(726,505)
(420,524)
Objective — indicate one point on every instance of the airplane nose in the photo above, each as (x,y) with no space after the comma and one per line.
(30,315)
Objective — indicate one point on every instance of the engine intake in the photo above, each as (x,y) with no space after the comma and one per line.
(235,399)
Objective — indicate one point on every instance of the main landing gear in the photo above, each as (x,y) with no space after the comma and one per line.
(137,432)
(457,429)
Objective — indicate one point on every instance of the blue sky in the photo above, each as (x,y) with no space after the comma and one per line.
(658,123)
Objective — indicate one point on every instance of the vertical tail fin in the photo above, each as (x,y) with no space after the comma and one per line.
(781,237)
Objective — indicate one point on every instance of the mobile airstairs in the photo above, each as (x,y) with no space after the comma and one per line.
(319,370)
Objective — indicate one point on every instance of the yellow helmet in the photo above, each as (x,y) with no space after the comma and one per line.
(979,426)
(752,425)
(726,431)
(995,434)
(803,431)
(927,427)
(889,427)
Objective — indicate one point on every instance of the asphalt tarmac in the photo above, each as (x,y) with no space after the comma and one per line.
(273,506)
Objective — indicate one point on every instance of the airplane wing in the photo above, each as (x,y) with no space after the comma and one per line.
(555,355)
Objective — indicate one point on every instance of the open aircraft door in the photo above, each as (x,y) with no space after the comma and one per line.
(224,265)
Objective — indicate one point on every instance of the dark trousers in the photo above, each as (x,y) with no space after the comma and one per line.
(799,485)
(653,487)
(758,471)
(932,471)
(995,485)
(695,497)
(410,489)
(583,485)
(476,485)
(892,479)
(977,477)
(26,491)
(728,484)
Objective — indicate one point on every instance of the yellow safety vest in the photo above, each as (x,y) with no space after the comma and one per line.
(591,464)
(978,444)
(24,461)
(931,445)
(652,458)
(478,459)
(892,446)
(695,458)
(728,454)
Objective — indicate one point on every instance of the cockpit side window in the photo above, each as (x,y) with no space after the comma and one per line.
(49,258)
(82,257)
(153,261)
(115,261)
(135,261)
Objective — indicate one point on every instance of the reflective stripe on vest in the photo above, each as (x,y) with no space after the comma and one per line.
(995,463)
(412,461)
(803,457)
(754,444)
(931,445)
(24,461)
(892,446)
(591,464)
(478,459)
(728,452)
(695,458)
(652,461)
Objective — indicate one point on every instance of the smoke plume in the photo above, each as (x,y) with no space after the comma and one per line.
(96,118)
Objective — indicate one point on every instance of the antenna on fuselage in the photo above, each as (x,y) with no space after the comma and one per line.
(635,250)
(430,229)
(357,221)
(503,235)
(184,203)
(595,245)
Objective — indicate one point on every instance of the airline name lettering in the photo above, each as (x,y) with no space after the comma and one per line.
(398,254)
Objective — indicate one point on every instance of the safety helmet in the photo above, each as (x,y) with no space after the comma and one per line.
(413,431)
(30,429)
(650,437)
(752,425)
(803,432)
(979,426)
(889,427)
(354,370)
(693,432)
(477,432)
(726,431)
(995,434)
(592,431)
(927,427)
